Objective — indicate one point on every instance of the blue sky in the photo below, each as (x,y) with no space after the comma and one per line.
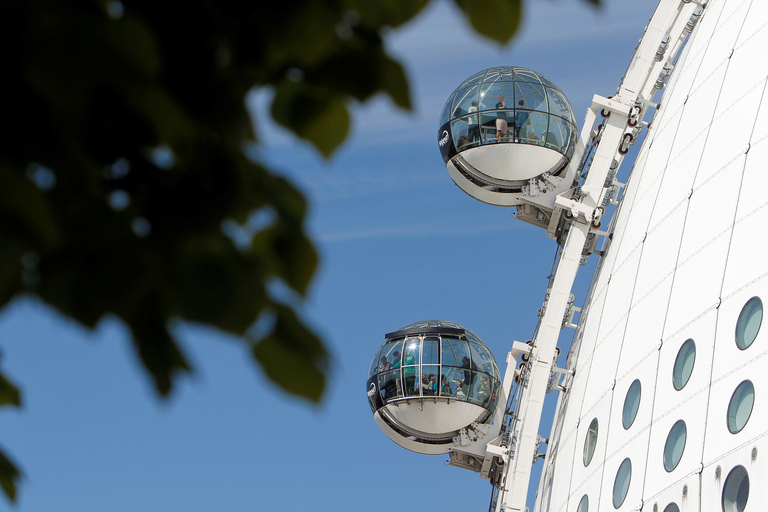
(399,243)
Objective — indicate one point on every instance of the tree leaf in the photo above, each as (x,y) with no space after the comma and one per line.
(9,476)
(9,394)
(317,115)
(497,19)
(386,13)
(158,351)
(395,82)
(292,356)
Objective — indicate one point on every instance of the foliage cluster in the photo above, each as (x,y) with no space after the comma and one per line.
(123,175)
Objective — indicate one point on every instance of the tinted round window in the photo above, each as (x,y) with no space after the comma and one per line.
(583,504)
(748,325)
(736,490)
(672,507)
(684,364)
(590,442)
(740,406)
(631,404)
(675,445)
(621,484)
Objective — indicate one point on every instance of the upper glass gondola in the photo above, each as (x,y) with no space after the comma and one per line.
(503,126)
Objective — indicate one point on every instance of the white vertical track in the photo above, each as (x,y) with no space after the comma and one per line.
(637,88)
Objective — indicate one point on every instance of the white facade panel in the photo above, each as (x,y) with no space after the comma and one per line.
(635,452)
(715,474)
(760,130)
(723,39)
(754,30)
(688,252)
(634,232)
(752,194)
(728,357)
(715,202)
(719,439)
(702,332)
(591,488)
(590,330)
(660,253)
(619,436)
(672,197)
(696,287)
(683,493)
(643,333)
(746,261)
(568,456)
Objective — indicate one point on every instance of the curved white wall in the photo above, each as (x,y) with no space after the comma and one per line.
(690,248)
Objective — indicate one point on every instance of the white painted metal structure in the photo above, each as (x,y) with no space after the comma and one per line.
(685,260)
(650,65)
(662,396)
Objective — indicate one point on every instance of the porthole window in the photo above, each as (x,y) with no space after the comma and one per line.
(672,507)
(631,404)
(621,484)
(590,442)
(675,445)
(583,504)
(740,406)
(684,361)
(736,490)
(748,325)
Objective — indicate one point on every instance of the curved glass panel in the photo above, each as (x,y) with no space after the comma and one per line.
(533,130)
(558,105)
(686,357)
(621,484)
(672,507)
(748,325)
(631,404)
(736,490)
(559,134)
(590,442)
(390,385)
(454,363)
(388,357)
(489,96)
(464,100)
(527,75)
(453,350)
(675,445)
(583,504)
(533,96)
(411,349)
(510,105)
(473,80)
(740,406)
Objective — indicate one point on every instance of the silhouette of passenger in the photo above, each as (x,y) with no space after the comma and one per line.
(473,133)
(484,389)
(446,387)
(501,119)
(469,374)
(520,118)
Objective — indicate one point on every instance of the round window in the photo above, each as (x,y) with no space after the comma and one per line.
(631,404)
(684,361)
(740,406)
(590,442)
(675,445)
(583,504)
(736,490)
(748,325)
(621,484)
(672,507)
